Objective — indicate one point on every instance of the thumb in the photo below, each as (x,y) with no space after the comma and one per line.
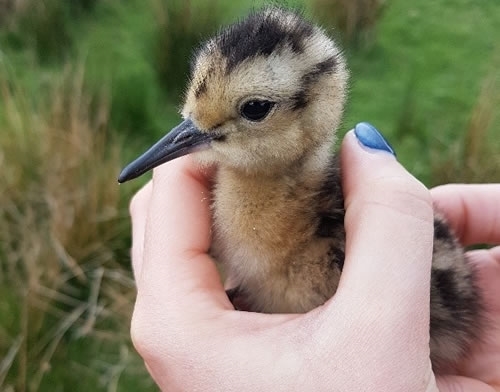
(384,289)
(459,383)
(389,228)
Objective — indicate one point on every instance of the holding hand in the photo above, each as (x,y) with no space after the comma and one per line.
(372,336)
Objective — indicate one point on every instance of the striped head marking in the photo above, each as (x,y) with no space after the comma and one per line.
(263,92)
(270,85)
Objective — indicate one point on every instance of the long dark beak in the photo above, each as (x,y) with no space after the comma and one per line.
(183,139)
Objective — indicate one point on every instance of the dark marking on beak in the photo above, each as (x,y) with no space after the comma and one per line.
(184,139)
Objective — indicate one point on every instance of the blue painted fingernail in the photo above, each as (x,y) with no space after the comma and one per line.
(370,137)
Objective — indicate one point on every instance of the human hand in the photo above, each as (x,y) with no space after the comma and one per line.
(473,211)
(372,336)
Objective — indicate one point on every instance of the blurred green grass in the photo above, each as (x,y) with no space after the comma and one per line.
(86,85)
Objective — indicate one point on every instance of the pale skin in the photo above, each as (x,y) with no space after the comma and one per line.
(372,336)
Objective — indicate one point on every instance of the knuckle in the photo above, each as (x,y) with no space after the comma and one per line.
(140,200)
(405,195)
(156,338)
(402,195)
(148,335)
(140,334)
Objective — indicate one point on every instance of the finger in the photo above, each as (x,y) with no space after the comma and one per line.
(487,268)
(482,362)
(383,295)
(177,272)
(389,226)
(472,210)
(138,212)
(459,383)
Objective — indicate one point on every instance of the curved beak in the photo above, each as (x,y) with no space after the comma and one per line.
(182,140)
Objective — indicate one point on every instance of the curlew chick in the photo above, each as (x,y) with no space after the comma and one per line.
(265,98)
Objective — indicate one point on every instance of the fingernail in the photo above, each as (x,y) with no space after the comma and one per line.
(370,137)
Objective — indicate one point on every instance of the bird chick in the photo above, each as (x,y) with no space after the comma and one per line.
(265,98)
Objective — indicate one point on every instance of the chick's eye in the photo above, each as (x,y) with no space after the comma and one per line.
(256,110)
